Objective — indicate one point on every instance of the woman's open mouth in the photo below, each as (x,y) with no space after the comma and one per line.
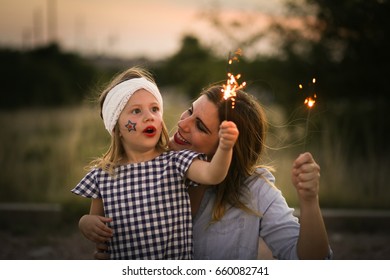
(180,140)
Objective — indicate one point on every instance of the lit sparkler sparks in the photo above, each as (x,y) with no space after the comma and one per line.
(309,102)
(232,85)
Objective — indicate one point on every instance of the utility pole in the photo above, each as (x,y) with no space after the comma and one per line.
(37,28)
(52,21)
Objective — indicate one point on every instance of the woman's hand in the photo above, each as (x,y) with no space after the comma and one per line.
(94,228)
(306,177)
(313,239)
(101,252)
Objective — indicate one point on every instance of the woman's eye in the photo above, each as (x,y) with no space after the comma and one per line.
(200,126)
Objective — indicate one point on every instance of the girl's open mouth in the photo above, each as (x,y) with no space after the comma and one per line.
(150,131)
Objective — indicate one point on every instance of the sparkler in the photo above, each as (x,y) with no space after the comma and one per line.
(229,89)
(309,102)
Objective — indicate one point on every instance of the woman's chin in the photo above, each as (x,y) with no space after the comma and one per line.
(174,146)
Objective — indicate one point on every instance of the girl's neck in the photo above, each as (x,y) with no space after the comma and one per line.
(136,157)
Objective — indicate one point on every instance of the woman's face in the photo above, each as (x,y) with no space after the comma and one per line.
(198,128)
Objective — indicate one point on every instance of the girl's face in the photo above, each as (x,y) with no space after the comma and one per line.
(198,128)
(140,123)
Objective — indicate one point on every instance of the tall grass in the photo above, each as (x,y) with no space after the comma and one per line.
(353,173)
(43,151)
(43,154)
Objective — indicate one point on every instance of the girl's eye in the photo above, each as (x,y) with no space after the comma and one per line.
(135,111)
(155,109)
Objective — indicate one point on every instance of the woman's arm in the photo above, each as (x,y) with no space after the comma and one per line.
(215,171)
(93,226)
(313,239)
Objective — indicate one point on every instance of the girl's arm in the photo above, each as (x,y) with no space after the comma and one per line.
(93,226)
(313,238)
(215,171)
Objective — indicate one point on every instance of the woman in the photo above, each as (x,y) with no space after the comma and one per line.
(229,219)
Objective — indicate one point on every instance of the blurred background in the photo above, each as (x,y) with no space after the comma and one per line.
(57,55)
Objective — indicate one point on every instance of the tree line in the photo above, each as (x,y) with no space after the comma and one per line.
(349,57)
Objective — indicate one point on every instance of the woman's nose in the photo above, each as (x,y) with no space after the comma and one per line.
(184,123)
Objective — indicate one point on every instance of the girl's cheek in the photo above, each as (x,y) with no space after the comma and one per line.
(131,126)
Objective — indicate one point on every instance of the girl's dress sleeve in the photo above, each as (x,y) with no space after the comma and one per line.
(184,159)
(88,186)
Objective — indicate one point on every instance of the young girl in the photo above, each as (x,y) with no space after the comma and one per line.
(138,184)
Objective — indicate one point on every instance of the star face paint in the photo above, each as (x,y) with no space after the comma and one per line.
(130,125)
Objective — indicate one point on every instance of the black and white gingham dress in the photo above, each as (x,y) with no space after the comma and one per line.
(149,204)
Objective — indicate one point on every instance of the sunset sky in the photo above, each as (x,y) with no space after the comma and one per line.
(129,28)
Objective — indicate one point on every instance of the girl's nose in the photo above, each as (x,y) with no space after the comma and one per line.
(148,117)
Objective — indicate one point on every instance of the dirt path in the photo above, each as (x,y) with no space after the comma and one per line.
(72,246)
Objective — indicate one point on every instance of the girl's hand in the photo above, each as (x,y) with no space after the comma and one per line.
(228,134)
(306,177)
(94,228)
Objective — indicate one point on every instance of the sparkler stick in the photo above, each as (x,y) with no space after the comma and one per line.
(309,102)
(229,89)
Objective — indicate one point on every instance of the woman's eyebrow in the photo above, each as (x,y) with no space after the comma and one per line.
(205,127)
(200,121)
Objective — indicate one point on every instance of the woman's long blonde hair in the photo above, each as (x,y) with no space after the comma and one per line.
(251,122)
(116,153)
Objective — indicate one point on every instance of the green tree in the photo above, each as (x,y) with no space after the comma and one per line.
(191,68)
(44,77)
(352,50)
(351,56)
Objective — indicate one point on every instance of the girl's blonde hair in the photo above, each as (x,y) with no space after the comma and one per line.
(116,153)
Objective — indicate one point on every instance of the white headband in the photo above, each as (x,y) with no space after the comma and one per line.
(118,96)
